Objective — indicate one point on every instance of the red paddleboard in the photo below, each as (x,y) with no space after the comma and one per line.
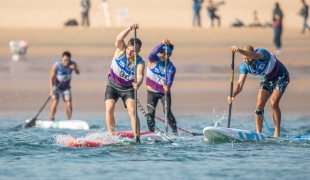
(129,134)
(77,142)
(84,143)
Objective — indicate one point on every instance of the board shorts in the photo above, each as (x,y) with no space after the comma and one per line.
(64,92)
(112,93)
(278,83)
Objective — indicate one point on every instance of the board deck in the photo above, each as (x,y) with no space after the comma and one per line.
(221,133)
(80,142)
(61,124)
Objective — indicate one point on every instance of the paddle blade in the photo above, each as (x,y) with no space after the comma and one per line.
(137,139)
(197,134)
(31,123)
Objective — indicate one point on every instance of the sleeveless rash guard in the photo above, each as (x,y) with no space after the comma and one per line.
(63,75)
(155,74)
(122,73)
(269,67)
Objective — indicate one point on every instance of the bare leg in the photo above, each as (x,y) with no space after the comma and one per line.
(130,103)
(262,98)
(53,109)
(274,103)
(69,108)
(110,120)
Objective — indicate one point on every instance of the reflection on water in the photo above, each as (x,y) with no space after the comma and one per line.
(18,67)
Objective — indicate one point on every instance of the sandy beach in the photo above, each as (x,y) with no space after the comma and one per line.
(201,56)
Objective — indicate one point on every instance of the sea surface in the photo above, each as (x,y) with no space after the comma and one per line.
(35,153)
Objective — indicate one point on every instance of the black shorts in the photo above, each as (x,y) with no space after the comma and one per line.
(279,83)
(112,93)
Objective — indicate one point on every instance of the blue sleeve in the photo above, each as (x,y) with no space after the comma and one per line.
(243,69)
(264,52)
(153,55)
(170,76)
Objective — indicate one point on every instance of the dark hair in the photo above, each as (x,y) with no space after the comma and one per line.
(138,42)
(66,53)
(171,46)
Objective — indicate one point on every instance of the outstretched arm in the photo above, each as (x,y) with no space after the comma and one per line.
(153,55)
(247,53)
(119,43)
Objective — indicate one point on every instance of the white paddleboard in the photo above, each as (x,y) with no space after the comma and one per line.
(61,124)
(221,133)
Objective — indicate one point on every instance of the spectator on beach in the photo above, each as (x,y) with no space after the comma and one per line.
(120,82)
(275,78)
(197,7)
(155,81)
(277,28)
(85,6)
(277,10)
(60,79)
(304,14)
(211,8)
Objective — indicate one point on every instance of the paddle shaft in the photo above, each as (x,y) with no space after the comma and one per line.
(135,91)
(166,105)
(32,122)
(231,86)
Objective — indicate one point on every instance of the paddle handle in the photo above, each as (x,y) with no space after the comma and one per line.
(231,86)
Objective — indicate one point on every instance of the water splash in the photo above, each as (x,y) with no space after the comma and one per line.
(97,136)
(216,119)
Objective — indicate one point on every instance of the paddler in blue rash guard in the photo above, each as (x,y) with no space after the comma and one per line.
(60,77)
(121,78)
(155,81)
(275,78)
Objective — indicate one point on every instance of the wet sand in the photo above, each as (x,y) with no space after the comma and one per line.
(201,56)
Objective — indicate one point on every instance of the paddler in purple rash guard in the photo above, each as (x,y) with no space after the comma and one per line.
(275,78)
(121,78)
(155,81)
(60,77)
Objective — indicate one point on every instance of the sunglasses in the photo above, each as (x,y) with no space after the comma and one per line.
(163,52)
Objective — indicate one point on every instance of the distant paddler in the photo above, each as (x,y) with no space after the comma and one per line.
(60,79)
(275,78)
(121,80)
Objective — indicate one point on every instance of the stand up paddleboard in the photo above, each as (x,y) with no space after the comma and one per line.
(144,135)
(61,124)
(221,133)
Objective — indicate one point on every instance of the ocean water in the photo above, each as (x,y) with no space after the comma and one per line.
(37,154)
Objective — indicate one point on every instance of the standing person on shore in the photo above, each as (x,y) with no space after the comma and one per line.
(155,81)
(85,6)
(277,29)
(121,78)
(304,13)
(277,10)
(197,7)
(60,79)
(275,78)
(211,8)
